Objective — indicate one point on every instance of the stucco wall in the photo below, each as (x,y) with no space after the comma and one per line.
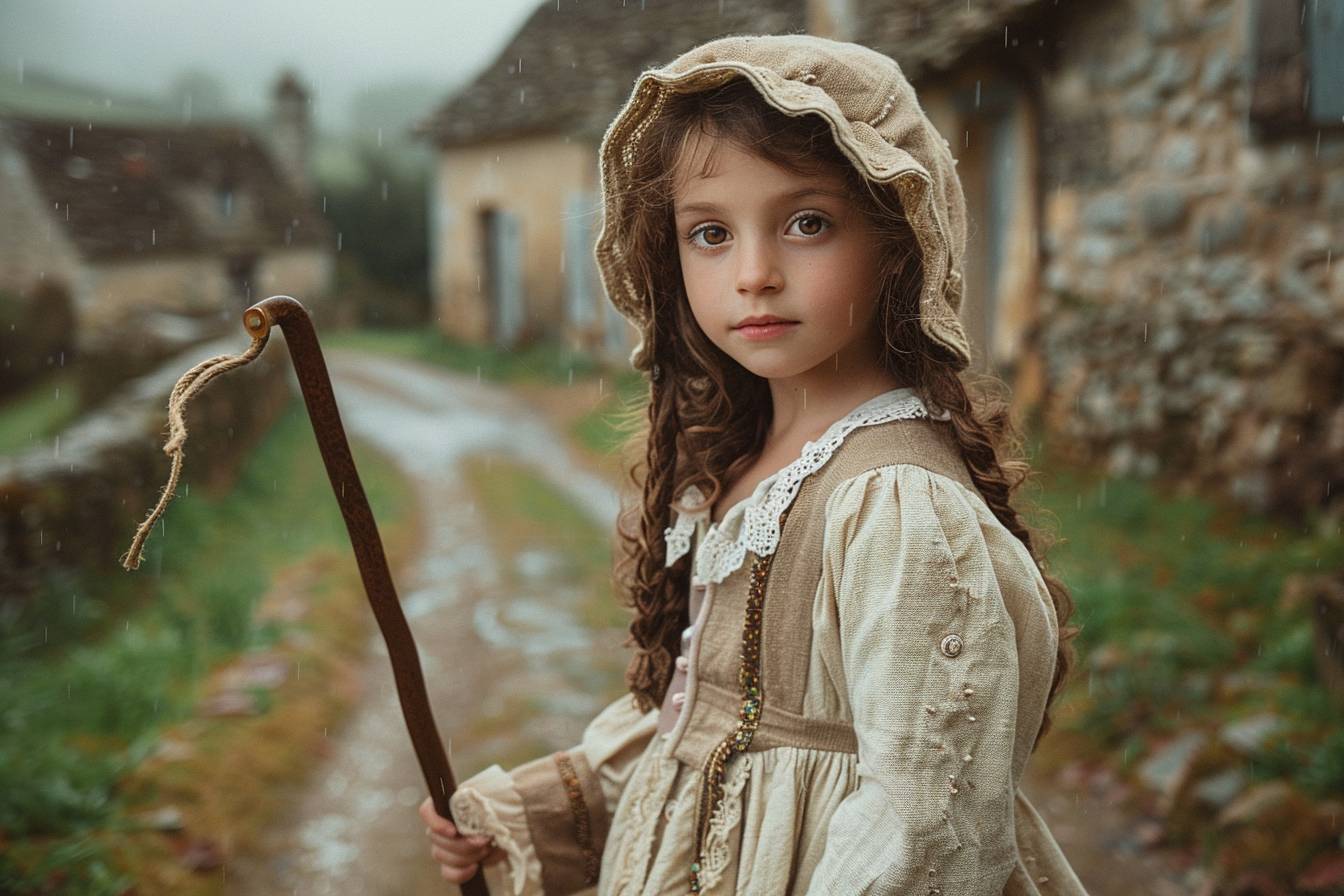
(531,177)
(200,283)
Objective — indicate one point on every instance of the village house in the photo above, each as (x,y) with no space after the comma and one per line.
(514,206)
(190,221)
(1155,192)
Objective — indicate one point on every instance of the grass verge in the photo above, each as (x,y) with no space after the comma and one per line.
(82,727)
(526,515)
(30,417)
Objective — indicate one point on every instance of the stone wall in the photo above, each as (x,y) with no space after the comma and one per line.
(77,501)
(1193,307)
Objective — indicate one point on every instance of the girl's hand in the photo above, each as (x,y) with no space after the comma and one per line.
(458,854)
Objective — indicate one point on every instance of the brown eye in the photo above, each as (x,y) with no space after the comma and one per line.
(708,229)
(817,223)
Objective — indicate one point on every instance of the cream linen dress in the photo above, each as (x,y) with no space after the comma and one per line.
(807,821)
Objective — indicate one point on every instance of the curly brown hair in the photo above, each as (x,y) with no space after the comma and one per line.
(706,416)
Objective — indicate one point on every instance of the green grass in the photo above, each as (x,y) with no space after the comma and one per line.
(84,707)
(34,415)
(523,510)
(599,429)
(1173,594)
(545,362)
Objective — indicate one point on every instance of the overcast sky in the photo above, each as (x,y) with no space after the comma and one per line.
(337,46)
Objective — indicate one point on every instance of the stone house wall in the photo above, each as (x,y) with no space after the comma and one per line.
(1193,299)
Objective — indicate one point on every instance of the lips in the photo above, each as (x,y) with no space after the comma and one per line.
(764,327)
(761,319)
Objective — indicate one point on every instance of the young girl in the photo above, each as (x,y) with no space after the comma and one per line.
(845,640)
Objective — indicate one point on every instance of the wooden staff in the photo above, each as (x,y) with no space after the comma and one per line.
(315,384)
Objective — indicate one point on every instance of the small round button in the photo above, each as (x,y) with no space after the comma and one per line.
(678,699)
(683,663)
(951,645)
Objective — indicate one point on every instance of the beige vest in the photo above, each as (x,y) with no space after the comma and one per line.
(715,696)
(751,652)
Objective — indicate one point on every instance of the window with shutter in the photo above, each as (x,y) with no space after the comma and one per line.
(1325,61)
(1297,54)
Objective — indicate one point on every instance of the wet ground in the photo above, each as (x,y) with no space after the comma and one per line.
(353,827)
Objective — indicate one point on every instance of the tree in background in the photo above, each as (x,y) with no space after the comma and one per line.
(384,251)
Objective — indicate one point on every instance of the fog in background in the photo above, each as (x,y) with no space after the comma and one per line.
(365,65)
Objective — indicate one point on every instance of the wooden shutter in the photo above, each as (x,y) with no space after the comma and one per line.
(1325,61)
(1279,58)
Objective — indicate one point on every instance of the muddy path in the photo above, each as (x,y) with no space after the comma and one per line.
(352,827)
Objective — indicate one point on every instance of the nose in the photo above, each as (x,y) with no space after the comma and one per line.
(757,267)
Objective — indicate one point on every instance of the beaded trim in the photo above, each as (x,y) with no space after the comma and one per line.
(749,715)
(583,831)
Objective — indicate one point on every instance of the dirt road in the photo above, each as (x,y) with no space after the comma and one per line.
(354,828)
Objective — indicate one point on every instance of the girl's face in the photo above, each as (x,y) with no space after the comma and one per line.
(756,240)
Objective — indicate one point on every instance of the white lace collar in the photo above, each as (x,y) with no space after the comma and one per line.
(753,523)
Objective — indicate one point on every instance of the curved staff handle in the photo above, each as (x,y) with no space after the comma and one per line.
(301,339)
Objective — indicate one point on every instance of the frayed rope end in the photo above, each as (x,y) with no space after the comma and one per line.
(191,382)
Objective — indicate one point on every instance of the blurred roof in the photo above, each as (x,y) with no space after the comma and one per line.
(929,36)
(569,70)
(120,190)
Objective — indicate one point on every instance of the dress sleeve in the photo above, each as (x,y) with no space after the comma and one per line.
(929,665)
(551,815)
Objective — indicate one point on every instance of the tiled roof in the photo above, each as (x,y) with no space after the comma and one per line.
(571,66)
(569,69)
(116,188)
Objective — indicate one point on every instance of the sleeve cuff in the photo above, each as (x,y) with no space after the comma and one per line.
(566,817)
(488,803)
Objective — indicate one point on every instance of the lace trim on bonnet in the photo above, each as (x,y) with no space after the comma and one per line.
(722,549)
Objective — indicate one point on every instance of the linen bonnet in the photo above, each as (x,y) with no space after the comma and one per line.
(876,121)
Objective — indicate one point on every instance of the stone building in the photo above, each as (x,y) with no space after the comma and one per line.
(194,220)
(1155,190)
(1157,212)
